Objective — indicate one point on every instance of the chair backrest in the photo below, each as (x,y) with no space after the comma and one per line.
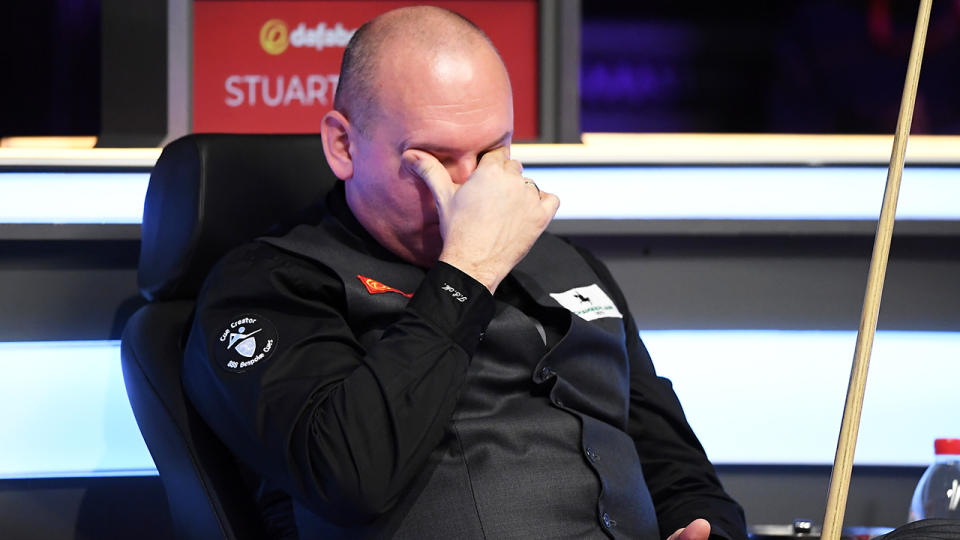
(207,194)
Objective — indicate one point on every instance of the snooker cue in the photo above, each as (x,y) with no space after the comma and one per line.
(846,444)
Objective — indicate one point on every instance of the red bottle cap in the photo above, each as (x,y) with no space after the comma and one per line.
(946,446)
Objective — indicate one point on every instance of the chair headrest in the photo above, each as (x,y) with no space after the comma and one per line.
(211,192)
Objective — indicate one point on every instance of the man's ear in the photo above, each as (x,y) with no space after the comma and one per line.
(335,132)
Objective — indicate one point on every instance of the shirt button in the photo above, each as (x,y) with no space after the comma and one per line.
(607,522)
(592,454)
(546,372)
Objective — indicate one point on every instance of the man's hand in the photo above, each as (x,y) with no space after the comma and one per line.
(490,222)
(698,529)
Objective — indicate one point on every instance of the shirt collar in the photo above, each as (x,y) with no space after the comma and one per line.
(340,212)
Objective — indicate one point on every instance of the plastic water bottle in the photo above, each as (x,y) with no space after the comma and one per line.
(938,492)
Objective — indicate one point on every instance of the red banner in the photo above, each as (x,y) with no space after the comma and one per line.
(272,67)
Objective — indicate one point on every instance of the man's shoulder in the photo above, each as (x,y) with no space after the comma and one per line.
(595,263)
(267,252)
(548,240)
(253,256)
(255,265)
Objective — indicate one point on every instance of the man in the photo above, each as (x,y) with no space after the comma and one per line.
(423,361)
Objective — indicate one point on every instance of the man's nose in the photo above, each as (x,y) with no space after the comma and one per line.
(461,169)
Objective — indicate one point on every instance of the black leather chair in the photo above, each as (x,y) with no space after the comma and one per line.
(207,194)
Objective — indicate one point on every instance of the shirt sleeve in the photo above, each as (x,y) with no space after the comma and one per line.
(342,428)
(682,482)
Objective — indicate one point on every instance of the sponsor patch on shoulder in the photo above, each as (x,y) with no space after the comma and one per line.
(588,303)
(247,340)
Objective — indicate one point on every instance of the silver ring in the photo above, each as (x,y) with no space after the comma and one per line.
(532,183)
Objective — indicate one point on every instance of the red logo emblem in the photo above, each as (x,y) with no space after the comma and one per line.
(375,287)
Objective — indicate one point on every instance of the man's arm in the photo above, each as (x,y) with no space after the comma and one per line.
(682,482)
(341,428)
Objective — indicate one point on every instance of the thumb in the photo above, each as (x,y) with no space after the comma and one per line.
(431,172)
(698,529)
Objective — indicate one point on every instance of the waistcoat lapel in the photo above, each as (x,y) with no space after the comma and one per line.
(591,358)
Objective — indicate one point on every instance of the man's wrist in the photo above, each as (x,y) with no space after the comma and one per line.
(455,303)
(489,279)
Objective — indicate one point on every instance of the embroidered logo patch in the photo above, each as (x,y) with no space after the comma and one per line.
(375,287)
(588,302)
(245,342)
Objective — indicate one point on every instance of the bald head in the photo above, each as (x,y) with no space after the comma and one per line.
(424,32)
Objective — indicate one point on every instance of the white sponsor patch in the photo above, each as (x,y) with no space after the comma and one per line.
(588,303)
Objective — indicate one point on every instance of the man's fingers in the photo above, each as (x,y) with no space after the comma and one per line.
(698,529)
(432,172)
(499,155)
(550,203)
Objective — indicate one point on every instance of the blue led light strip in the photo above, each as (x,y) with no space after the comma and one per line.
(753,397)
(73,197)
(731,193)
(66,412)
(744,193)
(757,397)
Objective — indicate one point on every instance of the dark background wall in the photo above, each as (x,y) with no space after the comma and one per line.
(50,53)
(816,66)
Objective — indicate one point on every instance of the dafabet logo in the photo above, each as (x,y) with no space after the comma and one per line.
(275,38)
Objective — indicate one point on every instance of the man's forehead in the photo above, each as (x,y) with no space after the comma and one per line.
(417,66)
(450,114)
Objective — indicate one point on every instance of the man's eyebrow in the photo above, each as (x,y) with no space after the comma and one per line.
(440,149)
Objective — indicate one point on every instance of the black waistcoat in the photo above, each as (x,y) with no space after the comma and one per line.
(537,447)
